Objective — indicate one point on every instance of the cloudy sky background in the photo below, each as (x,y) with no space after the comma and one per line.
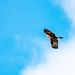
(24,49)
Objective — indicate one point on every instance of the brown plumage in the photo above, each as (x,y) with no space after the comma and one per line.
(53,38)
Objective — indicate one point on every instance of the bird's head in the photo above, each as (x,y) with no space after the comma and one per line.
(59,37)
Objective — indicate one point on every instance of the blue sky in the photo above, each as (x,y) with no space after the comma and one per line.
(21,21)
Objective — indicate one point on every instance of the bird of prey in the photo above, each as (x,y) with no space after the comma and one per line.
(53,38)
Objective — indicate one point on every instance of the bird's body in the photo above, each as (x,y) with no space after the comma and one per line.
(53,38)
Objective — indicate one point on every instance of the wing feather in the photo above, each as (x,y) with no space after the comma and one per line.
(54,44)
(49,32)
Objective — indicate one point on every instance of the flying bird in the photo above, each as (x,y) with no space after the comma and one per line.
(53,38)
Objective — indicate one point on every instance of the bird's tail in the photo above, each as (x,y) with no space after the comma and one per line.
(60,37)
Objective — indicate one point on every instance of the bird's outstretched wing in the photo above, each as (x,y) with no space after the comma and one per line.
(54,44)
(51,34)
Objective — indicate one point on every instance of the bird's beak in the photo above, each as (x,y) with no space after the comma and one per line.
(48,36)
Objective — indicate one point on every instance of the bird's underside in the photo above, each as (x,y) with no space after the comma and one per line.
(53,38)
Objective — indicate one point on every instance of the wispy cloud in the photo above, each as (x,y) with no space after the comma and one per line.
(61,61)
(69,8)
(58,62)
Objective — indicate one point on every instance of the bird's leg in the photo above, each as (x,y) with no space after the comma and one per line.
(48,36)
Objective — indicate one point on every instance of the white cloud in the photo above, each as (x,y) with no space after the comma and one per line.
(61,61)
(58,62)
(69,8)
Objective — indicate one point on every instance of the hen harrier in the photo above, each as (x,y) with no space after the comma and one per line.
(53,38)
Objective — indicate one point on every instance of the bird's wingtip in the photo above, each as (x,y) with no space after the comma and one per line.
(45,30)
